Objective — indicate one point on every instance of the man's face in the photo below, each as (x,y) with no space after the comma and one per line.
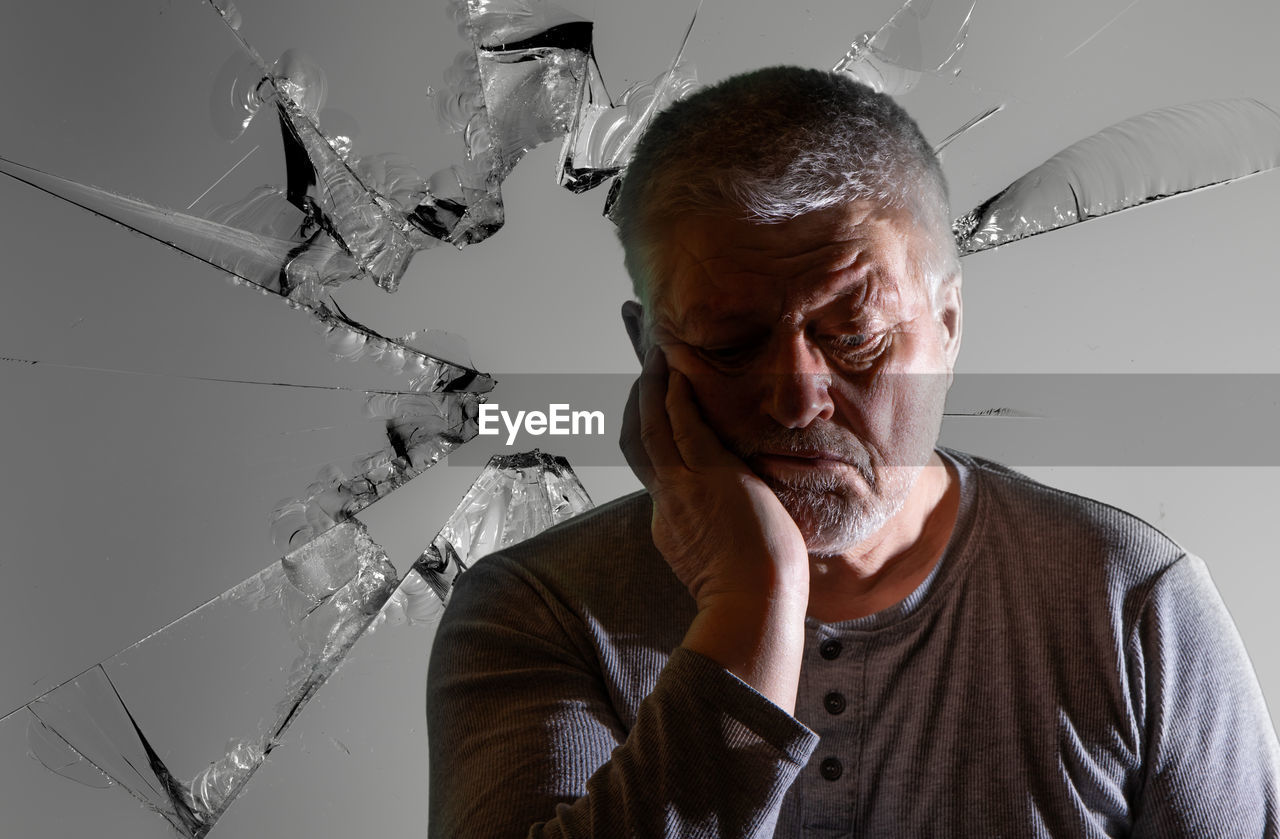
(815,355)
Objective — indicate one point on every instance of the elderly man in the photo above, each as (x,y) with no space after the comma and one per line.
(813,622)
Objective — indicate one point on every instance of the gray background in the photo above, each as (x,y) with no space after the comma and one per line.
(134,488)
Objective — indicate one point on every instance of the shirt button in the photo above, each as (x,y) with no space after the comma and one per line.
(834,703)
(831,769)
(829,649)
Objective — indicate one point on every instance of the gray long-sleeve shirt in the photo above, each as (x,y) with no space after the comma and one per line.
(1066,671)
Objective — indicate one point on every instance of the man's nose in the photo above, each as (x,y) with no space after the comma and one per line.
(796,392)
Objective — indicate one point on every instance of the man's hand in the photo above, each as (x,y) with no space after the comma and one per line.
(724,533)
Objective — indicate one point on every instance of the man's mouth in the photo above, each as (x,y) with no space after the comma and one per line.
(808,457)
(782,466)
(815,466)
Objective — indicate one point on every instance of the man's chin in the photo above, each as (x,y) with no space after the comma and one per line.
(834,520)
(831,522)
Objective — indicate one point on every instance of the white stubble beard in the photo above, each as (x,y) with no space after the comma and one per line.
(834,517)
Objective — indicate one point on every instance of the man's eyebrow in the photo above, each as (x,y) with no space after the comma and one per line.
(703,315)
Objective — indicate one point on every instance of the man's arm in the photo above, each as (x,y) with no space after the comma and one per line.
(525,740)
(521,727)
(1212,760)
(724,533)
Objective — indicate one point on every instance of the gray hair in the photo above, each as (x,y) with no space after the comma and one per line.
(772,145)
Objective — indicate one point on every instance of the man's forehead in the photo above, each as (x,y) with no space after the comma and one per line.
(721,270)
(688,311)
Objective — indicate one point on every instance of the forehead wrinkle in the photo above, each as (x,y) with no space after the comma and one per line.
(857,286)
(850,268)
(854,283)
(825,257)
(696,266)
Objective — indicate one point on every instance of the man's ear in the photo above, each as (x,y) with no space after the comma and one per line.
(951,317)
(633,319)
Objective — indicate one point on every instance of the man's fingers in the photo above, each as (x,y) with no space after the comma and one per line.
(662,427)
(629,439)
(697,444)
(655,425)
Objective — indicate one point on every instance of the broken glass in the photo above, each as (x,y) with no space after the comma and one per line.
(1159,154)
(941,145)
(918,40)
(89,717)
(529,79)
(324,227)
(258,258)
(39,804)
(421,428)
(52,750)
(278,635)
(602,137)
(532,64)
(265,262)
(515,497)
(361,216)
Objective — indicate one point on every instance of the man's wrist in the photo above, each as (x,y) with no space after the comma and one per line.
(756,636)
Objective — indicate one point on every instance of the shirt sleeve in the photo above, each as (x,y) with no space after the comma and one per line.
(1212,761)
(525,741)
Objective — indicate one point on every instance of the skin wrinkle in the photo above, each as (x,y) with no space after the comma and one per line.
(865,284)
(848,234)
(787,290)
(868,294)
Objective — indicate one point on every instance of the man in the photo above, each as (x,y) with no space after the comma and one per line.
(813,623)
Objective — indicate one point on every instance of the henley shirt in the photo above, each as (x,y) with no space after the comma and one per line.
(1066,670)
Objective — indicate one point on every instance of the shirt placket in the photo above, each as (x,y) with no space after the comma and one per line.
(829,703)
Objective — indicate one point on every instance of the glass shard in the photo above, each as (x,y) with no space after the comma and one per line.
(49,747)
(612,134)
(44,804)
(532,81)
(1155,155)
(515,497)
(367,225)
(529,78)
(265,261)
(421,428)
(918,40)
(236,97)
(1102,28)
(310,607)
(532,77)
(603,137)
(88,714)
(283,631)
(519,87)
(440,344)
(260,259)
(966,128)
(415,603)
(215,786)
(368,722)
(230,14)
(324,177)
